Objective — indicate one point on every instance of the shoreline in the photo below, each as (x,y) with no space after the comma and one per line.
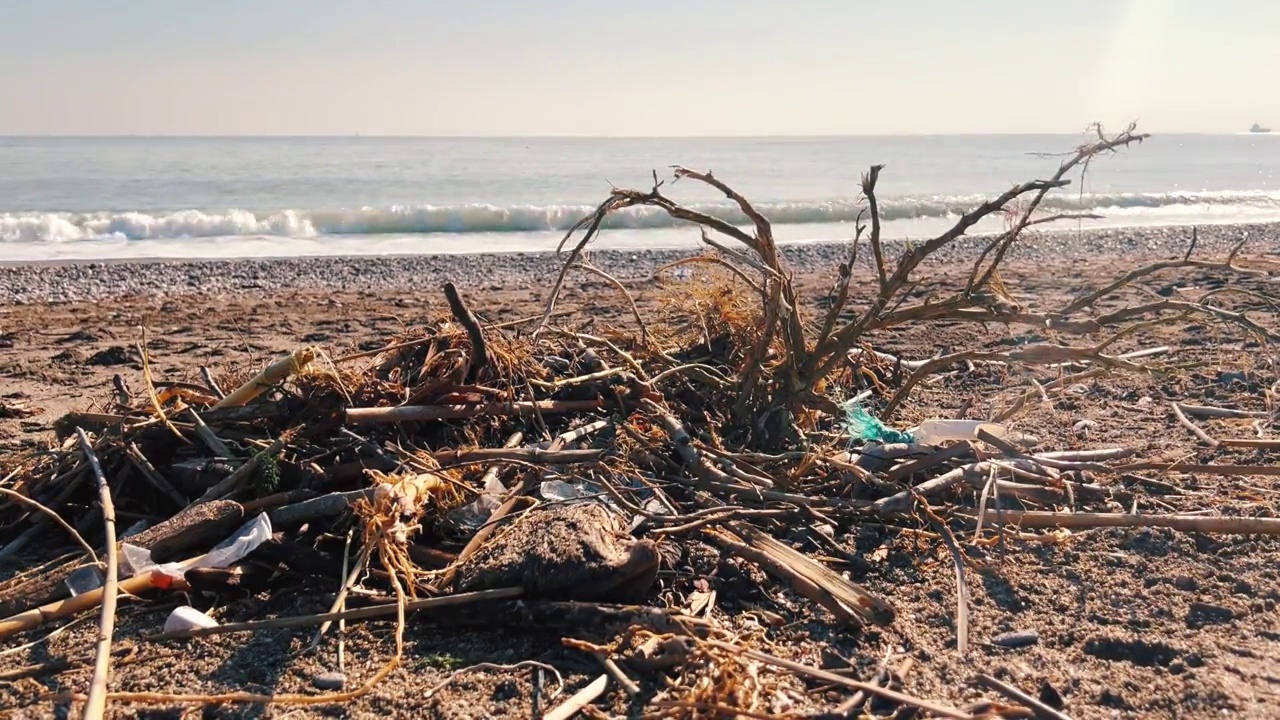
(90,280)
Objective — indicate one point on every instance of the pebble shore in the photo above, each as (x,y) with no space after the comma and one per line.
(100,280)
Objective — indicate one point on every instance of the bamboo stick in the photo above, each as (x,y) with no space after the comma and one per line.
(1185,523)
(271,375)
(96,704)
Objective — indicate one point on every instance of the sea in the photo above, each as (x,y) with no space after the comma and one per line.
(64,198)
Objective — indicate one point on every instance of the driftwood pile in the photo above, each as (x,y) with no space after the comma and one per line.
(465,464)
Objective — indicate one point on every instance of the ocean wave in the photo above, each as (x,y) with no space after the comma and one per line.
(483,218)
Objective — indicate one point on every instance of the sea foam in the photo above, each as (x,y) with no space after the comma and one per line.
(484,218)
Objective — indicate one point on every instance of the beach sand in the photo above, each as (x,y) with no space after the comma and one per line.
(1131,623)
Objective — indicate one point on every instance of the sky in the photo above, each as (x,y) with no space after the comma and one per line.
(651,68)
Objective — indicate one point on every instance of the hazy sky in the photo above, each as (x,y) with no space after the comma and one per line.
(653,67)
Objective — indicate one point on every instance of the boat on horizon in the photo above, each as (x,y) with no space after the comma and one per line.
(1256,128)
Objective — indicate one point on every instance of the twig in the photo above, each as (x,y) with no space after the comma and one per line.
(1260,443)
(208,437)
(465,318)
(54,517)
(348,580)
(578,700)
(1040,709)
(1194,428)
(619,676)
(375,611)
(834,679)
(65,608)
(635,311)
(1209,411)
(501,668)
(96,704)
(152,476)
(962,589)
(230,483)
(211,383)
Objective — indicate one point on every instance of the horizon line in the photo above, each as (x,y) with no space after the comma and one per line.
(327,136)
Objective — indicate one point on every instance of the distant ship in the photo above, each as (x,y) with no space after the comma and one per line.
(1259,129)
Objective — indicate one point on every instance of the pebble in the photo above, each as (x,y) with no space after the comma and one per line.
(329,681)
(1185,583)
(74,281)
(1016,639)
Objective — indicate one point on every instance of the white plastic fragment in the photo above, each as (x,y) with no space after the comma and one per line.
(936,432)
(185,617)
(84,579)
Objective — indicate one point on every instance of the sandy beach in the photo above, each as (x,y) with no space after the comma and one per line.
(1129,623)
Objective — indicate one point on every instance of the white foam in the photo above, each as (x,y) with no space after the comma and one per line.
(486,219)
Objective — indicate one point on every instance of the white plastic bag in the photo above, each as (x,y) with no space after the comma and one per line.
(226,553)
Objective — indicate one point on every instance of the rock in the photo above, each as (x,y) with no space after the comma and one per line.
(1185,582)
(1203,613)
(329,681)
(565,551)
(1016,639)
(1050,696)
(114,355)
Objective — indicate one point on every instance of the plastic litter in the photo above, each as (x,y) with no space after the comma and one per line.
(477,512)
(867,427)
(185,617)
(84,579)
(226,553)
(935,432)
(561,491)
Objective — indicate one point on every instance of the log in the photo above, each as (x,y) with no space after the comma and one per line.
(420,413)
(323,506)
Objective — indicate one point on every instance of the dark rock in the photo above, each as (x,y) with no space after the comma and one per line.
(329,681)
(1138,652)
(114,355)
(1016,639)
(1050,696)
(1203,613)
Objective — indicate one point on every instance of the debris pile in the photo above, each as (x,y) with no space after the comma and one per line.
(465,464)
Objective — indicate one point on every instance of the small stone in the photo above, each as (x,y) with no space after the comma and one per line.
(1050,696)
(1016,639)
(1202,613)
(329,681)
(1185,583)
